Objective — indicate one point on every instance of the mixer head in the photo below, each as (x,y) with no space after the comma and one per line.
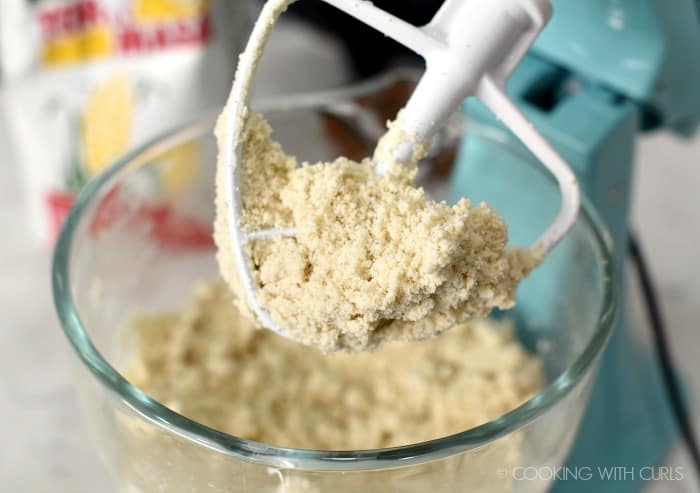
(470,49)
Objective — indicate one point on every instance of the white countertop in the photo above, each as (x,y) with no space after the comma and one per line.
(46,449)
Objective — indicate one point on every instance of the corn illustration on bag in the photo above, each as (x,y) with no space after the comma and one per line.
(84,81)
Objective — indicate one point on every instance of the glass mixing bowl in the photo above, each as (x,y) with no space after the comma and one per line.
(139,238)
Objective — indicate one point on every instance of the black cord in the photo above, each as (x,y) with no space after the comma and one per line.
(675,396)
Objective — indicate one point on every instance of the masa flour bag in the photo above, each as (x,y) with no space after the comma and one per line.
(83,81)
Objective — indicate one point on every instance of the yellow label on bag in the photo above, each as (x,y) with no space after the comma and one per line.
(85,30)
(92,42)
(159,10)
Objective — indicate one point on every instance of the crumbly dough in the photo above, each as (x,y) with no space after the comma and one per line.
(373,258)
(212,365)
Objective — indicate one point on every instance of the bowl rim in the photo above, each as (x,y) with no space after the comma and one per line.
(355,460)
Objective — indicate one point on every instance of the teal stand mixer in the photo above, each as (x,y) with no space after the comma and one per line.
(602,72)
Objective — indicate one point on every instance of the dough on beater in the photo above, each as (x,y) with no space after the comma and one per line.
(373,258)
(211,364)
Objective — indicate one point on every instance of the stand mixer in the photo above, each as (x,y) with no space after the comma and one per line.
(601,72)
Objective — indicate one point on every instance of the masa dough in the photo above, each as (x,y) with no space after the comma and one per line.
(212,365)
(373,258)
